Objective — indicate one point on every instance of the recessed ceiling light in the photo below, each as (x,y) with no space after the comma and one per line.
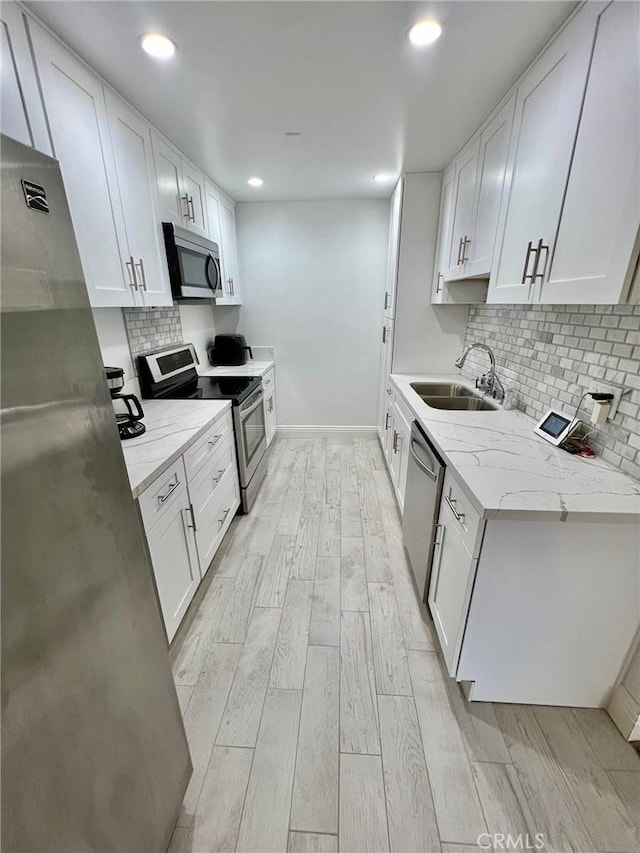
(425,32)
(158,46)
(255,182)
(381,177)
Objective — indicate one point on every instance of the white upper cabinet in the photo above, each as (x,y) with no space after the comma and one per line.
(445,225)
(594,251)
(463,198)
(490,175)
(181,189)
(229,254)
(21,112)
(394,249)
(213,201)
(194,198)
(75,105)
(168,165)
(131,140)
(547,111)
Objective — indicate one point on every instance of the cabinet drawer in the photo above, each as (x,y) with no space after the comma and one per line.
(212,527)
(160,496)
(468,519)
(208,444)
(267,379)
(204,487)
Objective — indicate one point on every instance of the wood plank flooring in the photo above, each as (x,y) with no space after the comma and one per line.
(319,713)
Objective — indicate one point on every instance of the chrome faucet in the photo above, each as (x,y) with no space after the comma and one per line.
(488,382)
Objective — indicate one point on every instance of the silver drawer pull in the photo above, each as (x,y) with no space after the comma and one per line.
(222,520)
(170,491)
(220,476)
(459,515)
(216,439)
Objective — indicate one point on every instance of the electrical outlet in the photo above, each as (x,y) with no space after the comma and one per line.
(597,385)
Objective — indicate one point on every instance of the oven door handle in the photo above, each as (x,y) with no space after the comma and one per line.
(248,411)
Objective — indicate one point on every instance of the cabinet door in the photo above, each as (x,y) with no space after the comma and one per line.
(175,562)
(452,574)
(193,194)
(445,225)
(270,419)
(21,111)
(463,198)
(403,440)
(544,130)
(168,166)
(230,254)
(386,353)
(131,140)
(492,163)
(210,532)
(394,250)
(593,257)
(213,200)
(74,100)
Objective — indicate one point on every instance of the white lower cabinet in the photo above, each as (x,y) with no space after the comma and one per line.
(186,513)
(452,574)
(175,561)
(397,448)
(269,391)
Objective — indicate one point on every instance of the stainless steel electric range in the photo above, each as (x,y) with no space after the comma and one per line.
(170,374)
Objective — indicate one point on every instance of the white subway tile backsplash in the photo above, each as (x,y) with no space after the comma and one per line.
(551,355)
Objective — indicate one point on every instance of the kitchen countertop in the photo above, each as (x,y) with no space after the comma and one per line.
(251,368)
(172,425)
(510,472)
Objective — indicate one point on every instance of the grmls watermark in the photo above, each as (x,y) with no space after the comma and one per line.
(500,841)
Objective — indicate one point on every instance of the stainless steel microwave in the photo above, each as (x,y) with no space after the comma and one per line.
(194,264)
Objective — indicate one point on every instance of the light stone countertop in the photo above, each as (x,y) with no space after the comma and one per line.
(172,425)
(251,368)
(510,472)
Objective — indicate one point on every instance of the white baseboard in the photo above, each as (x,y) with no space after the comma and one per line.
(314,431)
(625,713)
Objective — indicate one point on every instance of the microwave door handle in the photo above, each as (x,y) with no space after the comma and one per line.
(213,285)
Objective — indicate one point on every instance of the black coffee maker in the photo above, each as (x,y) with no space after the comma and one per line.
(130,422)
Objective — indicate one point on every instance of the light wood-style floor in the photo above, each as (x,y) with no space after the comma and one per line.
(318,712)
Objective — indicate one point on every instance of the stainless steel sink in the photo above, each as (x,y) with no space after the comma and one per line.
(472,403)
(441,389)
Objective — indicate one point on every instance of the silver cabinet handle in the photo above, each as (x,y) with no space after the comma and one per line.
(465,242)
(131,267)
(143,278)
(440,278)
(190,204)
(192,526)
(270,404)
(384,334)
(185,199)
(214,441)
(386,300)
(460,250)
(233,287)
(222,520)
(170,491)
(435,536)
(220,476)
(451,502)
(386,421)
(525,276)
(395,441)
(540,248)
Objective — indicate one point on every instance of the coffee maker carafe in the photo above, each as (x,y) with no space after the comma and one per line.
(130,422)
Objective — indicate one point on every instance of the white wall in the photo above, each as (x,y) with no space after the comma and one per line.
(312,276)
(114,345)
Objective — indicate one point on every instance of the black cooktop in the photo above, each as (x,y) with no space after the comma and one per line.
(234,388)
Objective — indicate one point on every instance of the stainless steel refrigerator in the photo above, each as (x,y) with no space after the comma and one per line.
(94,754)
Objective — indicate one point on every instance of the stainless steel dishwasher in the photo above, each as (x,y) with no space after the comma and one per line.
(421,503)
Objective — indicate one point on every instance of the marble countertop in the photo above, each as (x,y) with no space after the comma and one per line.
(510,472)
(172,425)
(251,368)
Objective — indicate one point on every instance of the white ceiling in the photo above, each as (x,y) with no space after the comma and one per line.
(343,74)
